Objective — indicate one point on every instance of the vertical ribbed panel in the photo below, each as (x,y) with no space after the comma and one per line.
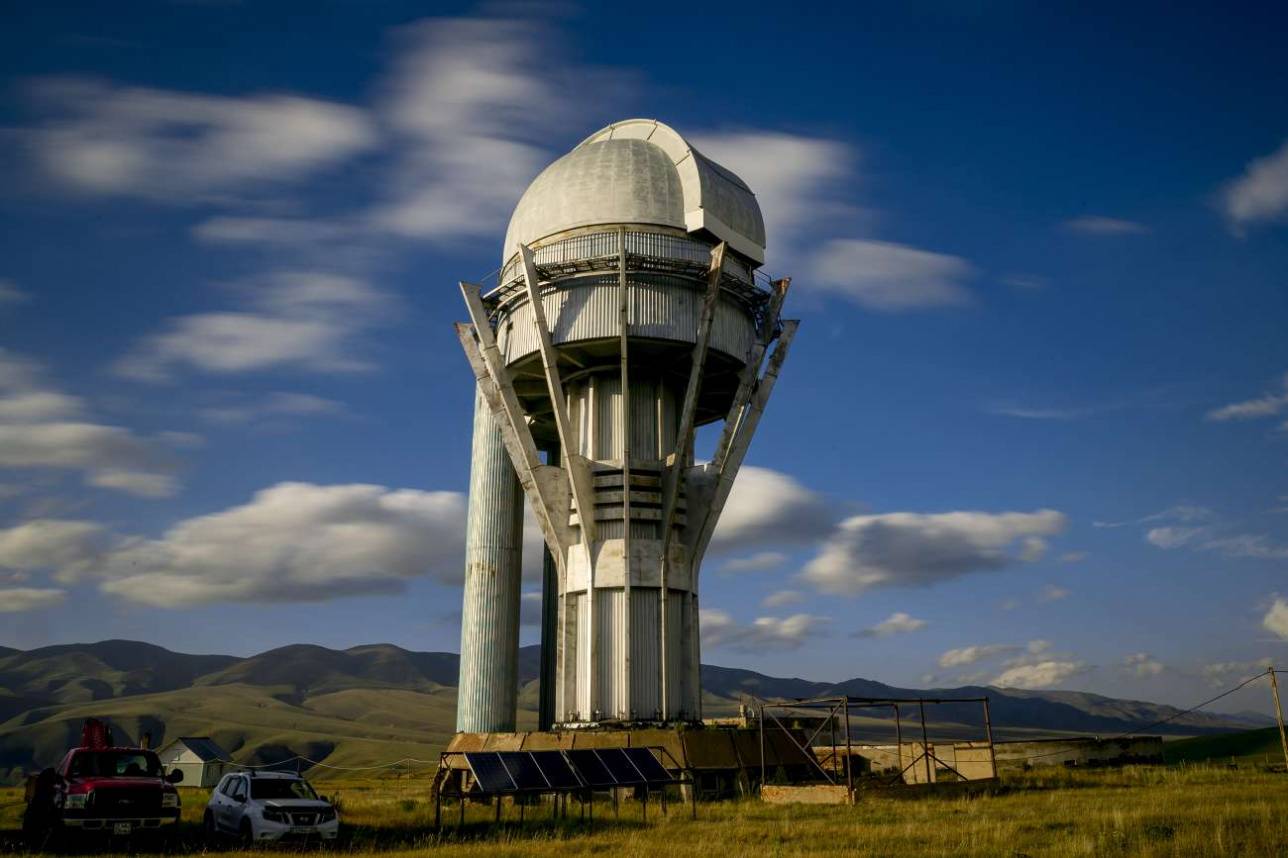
(645,653)
(581,657)
(610,613)
(677,636)
(490,610)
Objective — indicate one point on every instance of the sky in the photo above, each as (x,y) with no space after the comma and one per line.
(1033,431)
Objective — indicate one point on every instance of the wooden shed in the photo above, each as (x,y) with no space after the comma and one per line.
(202,761)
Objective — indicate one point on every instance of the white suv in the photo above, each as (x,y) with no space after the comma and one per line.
(259,806)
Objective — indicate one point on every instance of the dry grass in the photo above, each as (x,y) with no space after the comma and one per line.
(1148,811)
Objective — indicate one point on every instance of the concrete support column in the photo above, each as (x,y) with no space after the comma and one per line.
(488,689)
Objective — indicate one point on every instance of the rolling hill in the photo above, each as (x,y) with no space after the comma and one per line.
(380,702)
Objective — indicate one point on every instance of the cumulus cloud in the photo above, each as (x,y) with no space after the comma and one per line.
(721,631)
(10,293)
(303,320)
(294,542)
(43,427)
(1260,193)
(895,624)
(1039,674)
(770,507)
(68,547)
(782,598)
(15,600)
(963,656)
(275,405)
(1142,664)
(1223,673)
(100,138)
(915,549)
(1269,405)
(466,101)
(889,277)
(763,561)
(1276,619)
(1101,225)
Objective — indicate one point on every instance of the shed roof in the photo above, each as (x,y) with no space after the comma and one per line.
(204,747)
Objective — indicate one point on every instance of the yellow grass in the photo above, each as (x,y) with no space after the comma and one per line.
(1147,811)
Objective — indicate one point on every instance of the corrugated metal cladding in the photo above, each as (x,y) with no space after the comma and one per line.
(595,404)
(490,611)
(662,307)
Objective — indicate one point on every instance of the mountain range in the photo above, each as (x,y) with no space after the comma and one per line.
(378,702)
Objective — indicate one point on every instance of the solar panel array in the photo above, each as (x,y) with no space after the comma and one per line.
(556,771)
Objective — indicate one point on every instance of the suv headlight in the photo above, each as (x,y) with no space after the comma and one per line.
(76,801)
(327,814)
(274,815)
(169,799)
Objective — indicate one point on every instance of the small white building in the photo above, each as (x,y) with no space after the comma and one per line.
(202,761)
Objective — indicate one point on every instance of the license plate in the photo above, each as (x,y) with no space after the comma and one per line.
(121,828)
(301,829)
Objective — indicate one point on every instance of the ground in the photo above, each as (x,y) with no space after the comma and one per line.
(1183,810)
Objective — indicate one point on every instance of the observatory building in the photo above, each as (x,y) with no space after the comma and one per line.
(628,312)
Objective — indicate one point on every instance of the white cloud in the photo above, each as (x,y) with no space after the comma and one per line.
(721,631)
(1222,673)
(782,598)
(914,549)
(1261,193)
(1251,409)
(68,547)
(768,506)
(1100,225)
(763,561)
(43,427)
(530,609)
(467,100)
(273,405)
(889,277)
(1039,674)
(1276,618)
(177,147)
(1173,537)
(963,656)
(295,542)
(302,320)
(1142,664)
(17,599)
(895,624)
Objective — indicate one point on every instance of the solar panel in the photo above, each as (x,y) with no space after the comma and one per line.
(622,769)
(593,772)
(489,773)
(556,769)
(524,771)
(652,770)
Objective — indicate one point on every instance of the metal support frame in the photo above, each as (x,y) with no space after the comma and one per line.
(719,481)
(679,459)
(623,325)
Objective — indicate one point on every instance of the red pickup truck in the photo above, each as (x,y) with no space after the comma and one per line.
(103,790)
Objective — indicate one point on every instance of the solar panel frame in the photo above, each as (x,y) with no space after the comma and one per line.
(523,770)
(490,774)
(649,766)
(621,767)
(558,771)
(590,768)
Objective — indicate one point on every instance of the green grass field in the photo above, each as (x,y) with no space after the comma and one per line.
(1191,810)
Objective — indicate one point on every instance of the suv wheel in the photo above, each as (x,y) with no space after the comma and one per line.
(208,825)
(246,834)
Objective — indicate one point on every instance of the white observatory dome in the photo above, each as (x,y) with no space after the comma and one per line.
(639,171)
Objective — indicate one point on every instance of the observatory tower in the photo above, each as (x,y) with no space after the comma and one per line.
(627,313)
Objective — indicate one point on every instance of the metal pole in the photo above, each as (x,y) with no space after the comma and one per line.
(849,754)
(1279,713)
(992,752)
(831,717)
(925,741)
(762,745)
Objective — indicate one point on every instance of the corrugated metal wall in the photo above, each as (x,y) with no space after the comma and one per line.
(490,609)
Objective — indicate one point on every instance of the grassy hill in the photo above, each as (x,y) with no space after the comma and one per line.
(1249,746)
(377,703)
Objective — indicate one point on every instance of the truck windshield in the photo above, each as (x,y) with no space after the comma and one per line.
(271,788)
(107,764)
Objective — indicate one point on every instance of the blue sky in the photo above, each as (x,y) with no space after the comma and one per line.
(1034,429)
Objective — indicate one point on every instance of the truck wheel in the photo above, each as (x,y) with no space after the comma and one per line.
(246,834)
